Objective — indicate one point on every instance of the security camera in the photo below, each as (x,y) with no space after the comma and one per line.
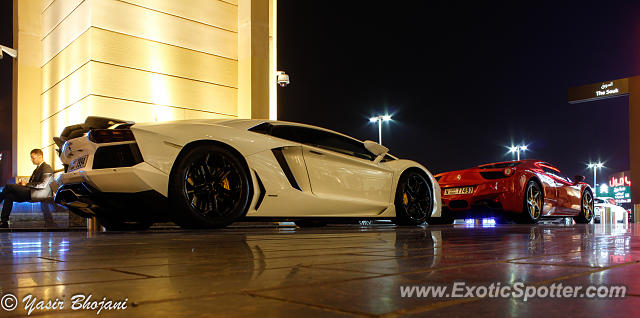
(13,53)
(282,78)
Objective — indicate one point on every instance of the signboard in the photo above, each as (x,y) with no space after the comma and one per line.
(602,90)
(622,180)
(629,86)
(622,194)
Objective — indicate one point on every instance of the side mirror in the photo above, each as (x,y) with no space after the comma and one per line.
(578,179)
(375,148)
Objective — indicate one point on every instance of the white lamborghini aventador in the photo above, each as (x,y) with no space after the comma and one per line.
(210,173)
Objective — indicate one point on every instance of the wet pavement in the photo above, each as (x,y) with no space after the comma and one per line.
(343,271)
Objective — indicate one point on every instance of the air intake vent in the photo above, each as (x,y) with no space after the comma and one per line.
(490,175)
(262,191)
(126,155)
(282,161)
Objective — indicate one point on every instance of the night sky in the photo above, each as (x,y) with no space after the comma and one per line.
(462,80)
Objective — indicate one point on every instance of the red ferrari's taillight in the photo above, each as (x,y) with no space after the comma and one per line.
(509,171)
(101,136)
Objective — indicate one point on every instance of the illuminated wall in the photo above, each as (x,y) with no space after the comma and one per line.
(142,60)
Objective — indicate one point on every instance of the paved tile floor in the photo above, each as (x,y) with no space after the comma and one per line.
(342,271)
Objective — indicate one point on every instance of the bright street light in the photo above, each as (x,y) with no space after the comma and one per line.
(595,167)
(380,119)
(517,150)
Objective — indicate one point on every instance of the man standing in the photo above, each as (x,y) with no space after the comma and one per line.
(36,189)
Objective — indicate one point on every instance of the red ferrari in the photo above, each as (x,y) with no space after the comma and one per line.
(524,191)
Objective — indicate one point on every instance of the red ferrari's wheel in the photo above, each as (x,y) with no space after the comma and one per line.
(532,205)
(586,212)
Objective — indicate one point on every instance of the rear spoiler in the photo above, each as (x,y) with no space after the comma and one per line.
(92,122)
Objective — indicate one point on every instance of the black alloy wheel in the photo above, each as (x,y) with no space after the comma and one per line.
(414,199)
(210,188)
(587,208)
(532,205)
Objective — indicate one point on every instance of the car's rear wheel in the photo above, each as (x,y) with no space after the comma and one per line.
(586,211)
(414,199)
(532,205)
(210,188)
(113,224)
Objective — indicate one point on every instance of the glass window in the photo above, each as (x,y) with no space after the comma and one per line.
(264,128)
(319,138)
(555,173)
(285,132)
(334,142)
(570,180)
(322,139)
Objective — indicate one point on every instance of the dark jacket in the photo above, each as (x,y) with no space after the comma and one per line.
(39,182)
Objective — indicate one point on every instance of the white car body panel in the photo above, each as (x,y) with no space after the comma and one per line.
(141,177)
(340,177)
(331,184)
(281,198)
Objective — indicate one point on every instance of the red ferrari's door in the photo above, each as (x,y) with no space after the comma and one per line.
(551,186)
(567,194)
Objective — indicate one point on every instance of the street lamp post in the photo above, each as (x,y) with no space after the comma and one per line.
(379,119)
(517,150)
(595,167)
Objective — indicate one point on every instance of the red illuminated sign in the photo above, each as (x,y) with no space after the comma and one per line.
(618,182)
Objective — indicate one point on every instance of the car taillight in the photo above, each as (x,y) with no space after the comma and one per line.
(101,136)
(508,171)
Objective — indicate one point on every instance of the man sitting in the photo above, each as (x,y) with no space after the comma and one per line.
(36,189)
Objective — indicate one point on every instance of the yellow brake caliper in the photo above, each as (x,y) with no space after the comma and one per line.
(225,184)
(405,199)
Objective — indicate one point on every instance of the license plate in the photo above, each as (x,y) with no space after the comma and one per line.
(455,191)
(78,163)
